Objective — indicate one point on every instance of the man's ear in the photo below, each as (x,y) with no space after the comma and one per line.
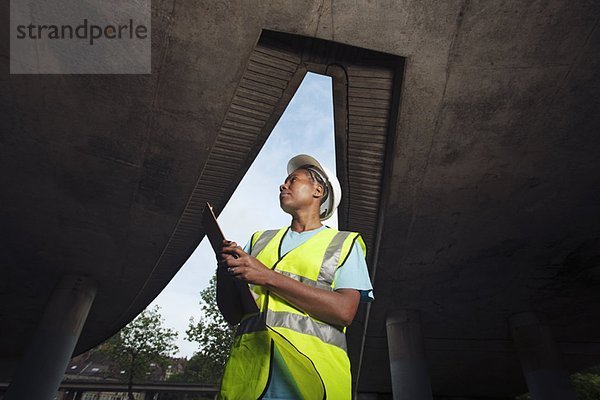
(319,191)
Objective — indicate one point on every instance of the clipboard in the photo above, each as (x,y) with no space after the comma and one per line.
(216,237)
(212,229)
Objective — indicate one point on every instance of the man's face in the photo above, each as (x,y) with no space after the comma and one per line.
(298,191)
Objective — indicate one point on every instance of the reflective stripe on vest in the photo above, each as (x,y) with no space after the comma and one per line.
(309,282)
(264,238)
(332,257)
(302,324)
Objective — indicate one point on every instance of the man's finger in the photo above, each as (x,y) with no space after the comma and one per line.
(234,262)
(226,256)
(238,251)
(222,262)
(235,252)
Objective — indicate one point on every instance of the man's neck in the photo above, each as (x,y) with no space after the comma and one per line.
(306,222)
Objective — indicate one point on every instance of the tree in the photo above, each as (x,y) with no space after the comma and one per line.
(141,342)
(214,337)
(586,384)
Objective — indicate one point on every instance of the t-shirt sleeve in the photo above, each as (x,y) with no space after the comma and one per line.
(353,274)
(247,246)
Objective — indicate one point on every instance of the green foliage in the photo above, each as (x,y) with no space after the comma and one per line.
(197,370)
(214,337)
(142,342)
(586,384)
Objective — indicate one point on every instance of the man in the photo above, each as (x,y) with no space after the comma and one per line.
(307,280)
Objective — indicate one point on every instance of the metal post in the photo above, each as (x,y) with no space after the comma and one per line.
(410,377)
(43,366)
(542,363)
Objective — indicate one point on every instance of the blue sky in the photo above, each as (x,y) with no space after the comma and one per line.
(305,127)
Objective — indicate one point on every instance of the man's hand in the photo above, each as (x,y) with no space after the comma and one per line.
(243,266)
(337,308)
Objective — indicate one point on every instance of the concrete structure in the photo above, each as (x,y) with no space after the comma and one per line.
(408,366)
(467,141)
(542,363)
(42,367)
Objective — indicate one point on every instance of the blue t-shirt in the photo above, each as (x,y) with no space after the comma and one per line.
(353,274)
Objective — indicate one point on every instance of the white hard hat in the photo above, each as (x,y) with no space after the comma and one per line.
(334,191)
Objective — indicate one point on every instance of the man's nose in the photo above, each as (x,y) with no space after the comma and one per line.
(282,187)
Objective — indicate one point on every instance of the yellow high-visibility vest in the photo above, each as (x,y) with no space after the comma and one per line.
(313,350)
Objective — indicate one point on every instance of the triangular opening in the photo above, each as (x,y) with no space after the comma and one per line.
(306,126)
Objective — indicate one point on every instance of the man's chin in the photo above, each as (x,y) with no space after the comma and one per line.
(286,209)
